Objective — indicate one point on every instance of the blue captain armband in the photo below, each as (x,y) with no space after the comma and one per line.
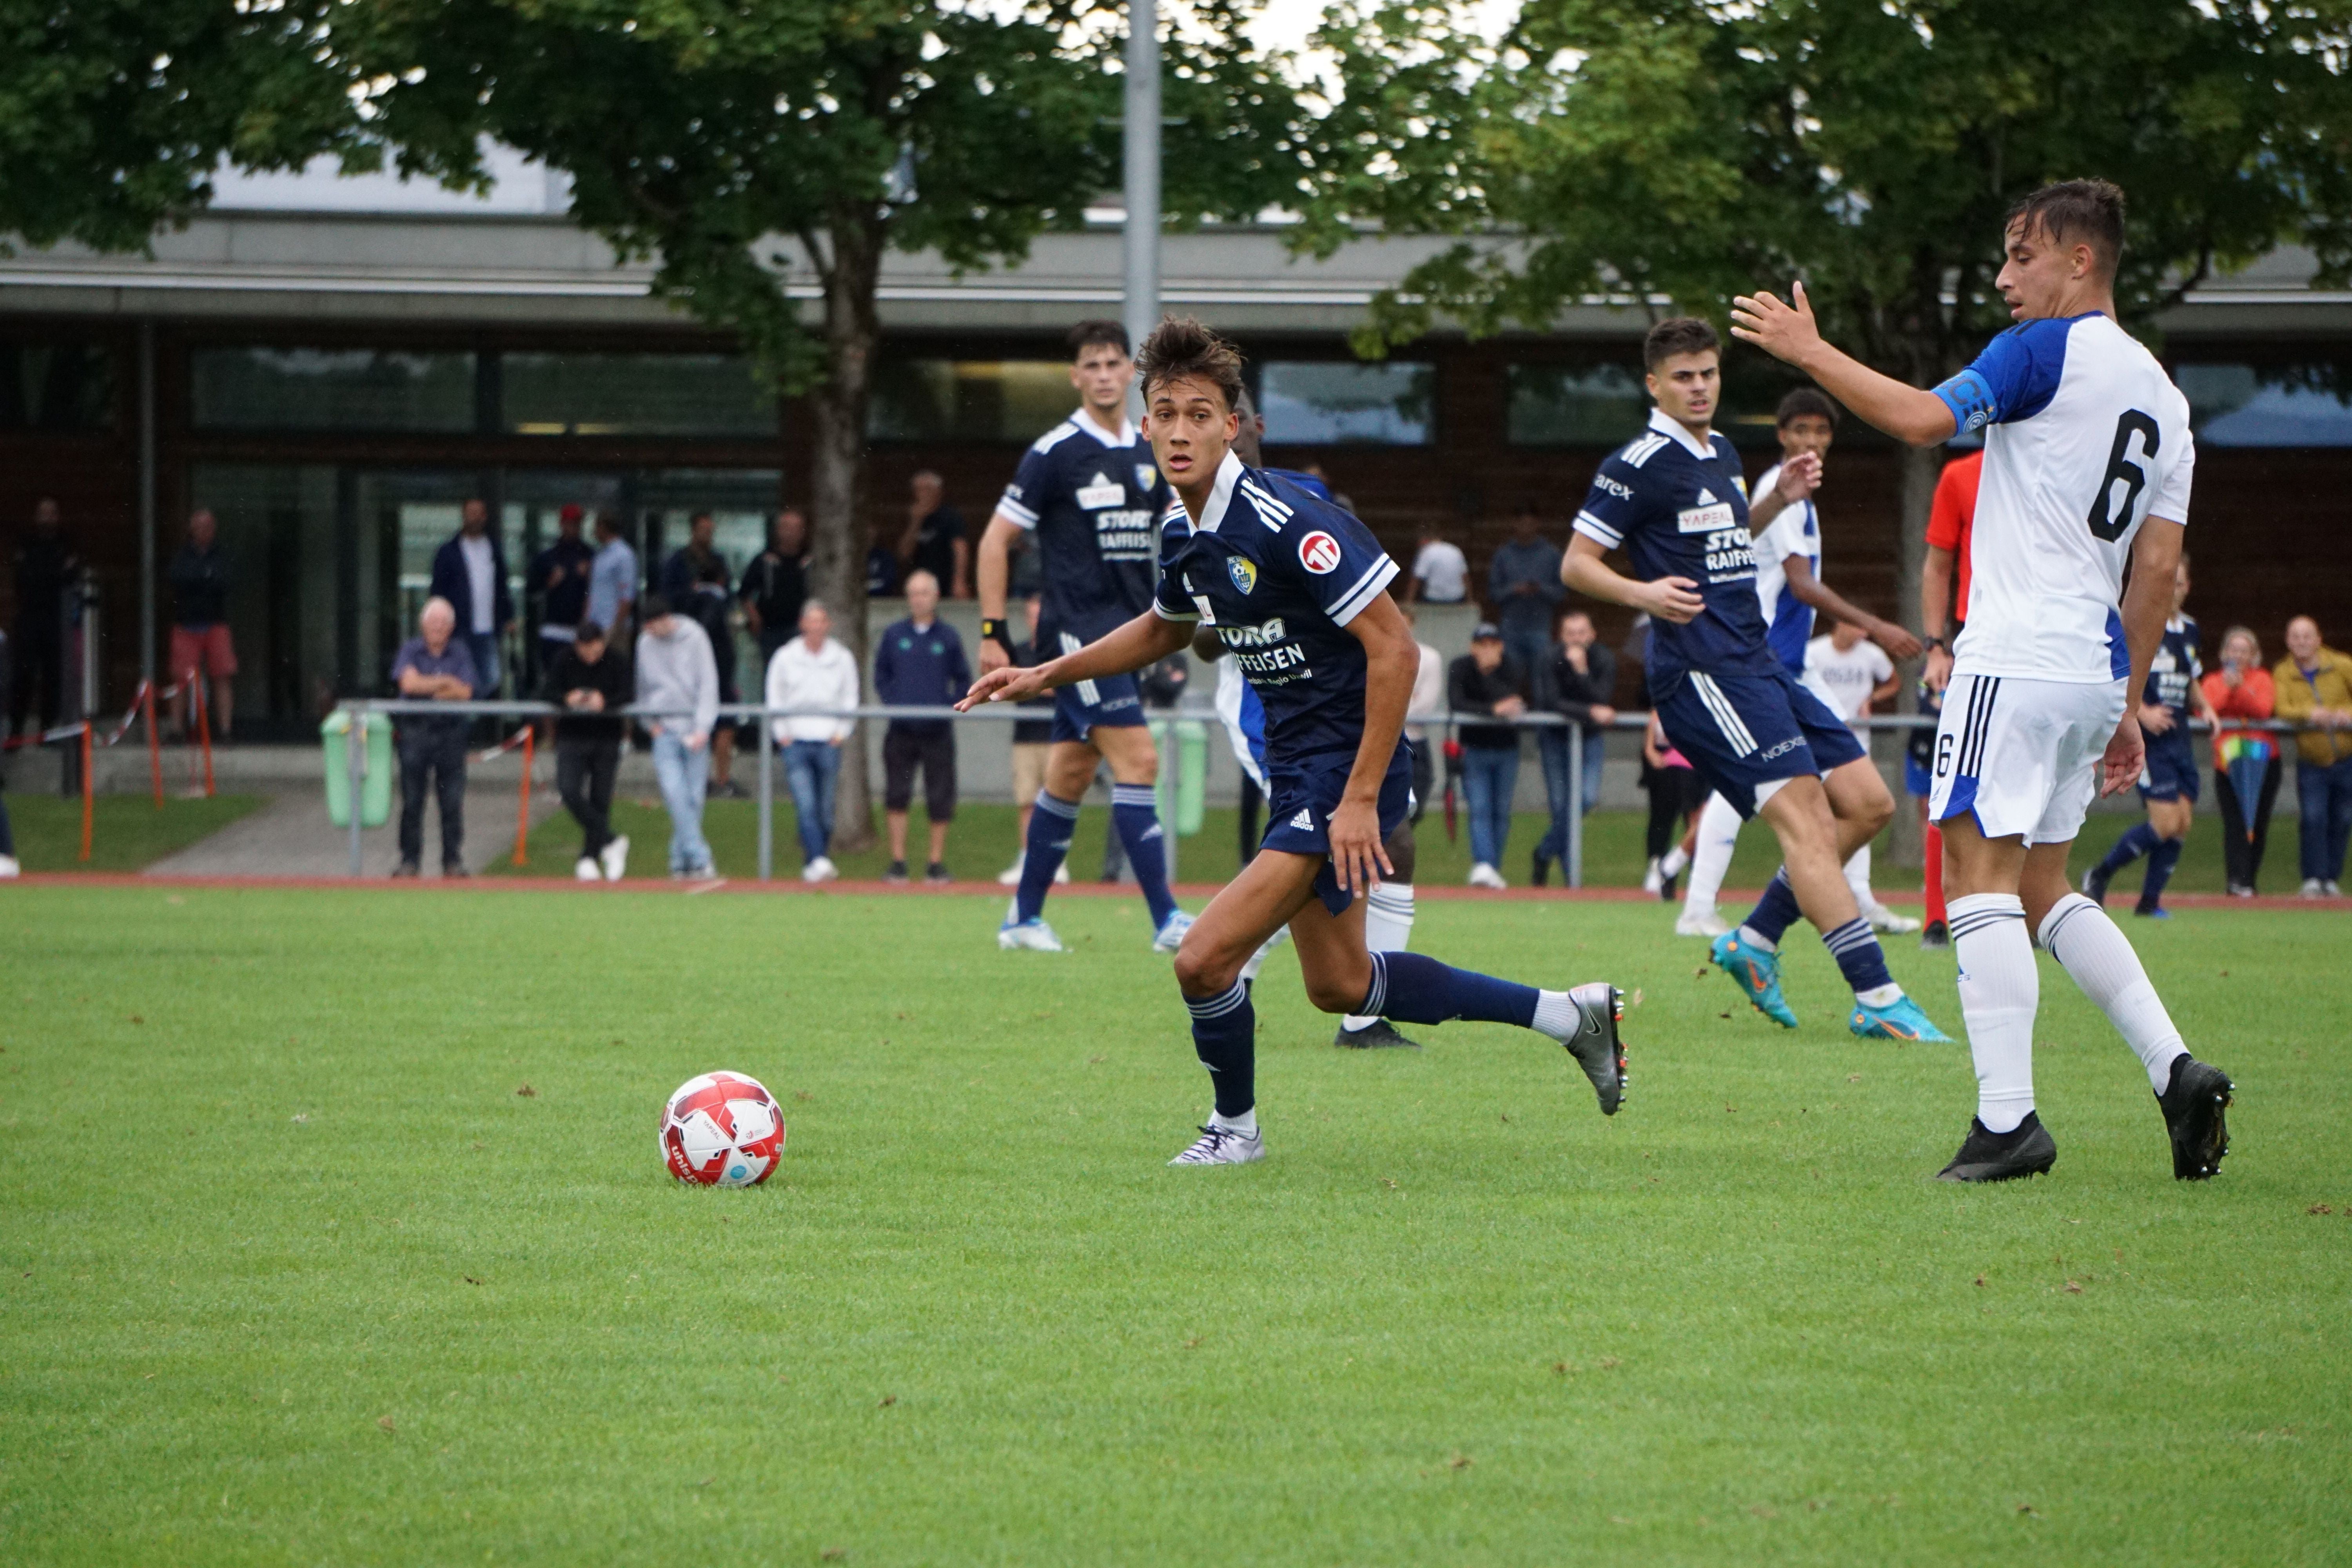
(1970,397)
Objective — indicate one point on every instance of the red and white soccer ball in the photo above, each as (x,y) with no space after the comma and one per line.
(722,1129)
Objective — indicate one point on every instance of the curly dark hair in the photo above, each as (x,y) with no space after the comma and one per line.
(1807,400)
(1180,349)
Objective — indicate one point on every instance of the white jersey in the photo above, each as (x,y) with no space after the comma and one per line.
(2086,437)
(1795,530)
(1845,680)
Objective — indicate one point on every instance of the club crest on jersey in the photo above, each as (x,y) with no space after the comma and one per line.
(1146,475)
(1319,553)
(1244,572)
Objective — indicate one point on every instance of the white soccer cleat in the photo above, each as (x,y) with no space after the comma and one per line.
(1010,876)
(1653,879)
(585,869)
(615,859)
(821,869)
(1172,935)
(1032,935)
(1223,1146)
(1485,876)
(1886,919)
(9,868)
(1709,925)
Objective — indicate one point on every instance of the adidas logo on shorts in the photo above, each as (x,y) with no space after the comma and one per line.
(1305,819)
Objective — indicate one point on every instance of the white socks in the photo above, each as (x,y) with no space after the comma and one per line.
(1245,1123)
(2081,937)
(1556,1015)
(1388,928)
(1719,835)
(1672,862)
(1999,989)
(1857,876)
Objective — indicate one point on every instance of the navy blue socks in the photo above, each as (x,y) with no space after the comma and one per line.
(1859,957)
(1776,911)
(1135,814)
(2141,840)
(2160,862)
(1415,988)
(1050,827)
(1224,1037)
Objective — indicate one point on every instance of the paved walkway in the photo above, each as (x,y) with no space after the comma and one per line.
(291,837)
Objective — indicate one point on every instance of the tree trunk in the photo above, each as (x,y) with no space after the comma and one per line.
(850,269)
(1906,842)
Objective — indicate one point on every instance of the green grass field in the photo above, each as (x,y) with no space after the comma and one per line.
(127,832)
(293,1269)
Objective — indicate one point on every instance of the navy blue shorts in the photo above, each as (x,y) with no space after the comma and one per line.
(1110,704)
(1300,797)
(2170,771)
(1741,732)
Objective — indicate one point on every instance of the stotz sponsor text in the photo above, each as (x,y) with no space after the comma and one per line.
(1728,555)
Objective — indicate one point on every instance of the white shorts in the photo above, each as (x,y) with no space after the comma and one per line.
(2023,756)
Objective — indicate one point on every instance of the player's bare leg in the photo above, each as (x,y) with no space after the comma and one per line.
(2004,890)
(1070,768)
(1820,823)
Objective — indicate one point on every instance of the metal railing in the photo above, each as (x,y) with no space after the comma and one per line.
(1572,863)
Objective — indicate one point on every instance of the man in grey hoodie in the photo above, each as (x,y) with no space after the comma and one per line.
(678,681)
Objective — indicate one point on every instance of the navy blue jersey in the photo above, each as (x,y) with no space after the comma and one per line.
(1094,500)
(1279,573)
(2175,668)
(1682,514)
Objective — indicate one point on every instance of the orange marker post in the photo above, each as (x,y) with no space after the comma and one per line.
(203,731)
(88,791)
(522,813)
(154,741)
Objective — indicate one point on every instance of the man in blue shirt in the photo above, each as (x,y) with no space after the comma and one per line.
(612,580)
(435,666)
(1297,590)
(919,663)
(1676,500)
(1092,496)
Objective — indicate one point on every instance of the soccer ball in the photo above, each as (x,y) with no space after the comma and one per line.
(722,1129)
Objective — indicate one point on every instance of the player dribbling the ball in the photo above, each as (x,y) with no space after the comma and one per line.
(1297,590)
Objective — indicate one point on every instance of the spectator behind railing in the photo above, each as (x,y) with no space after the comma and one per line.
(201,646)
(1523,583)
(1441,574)
(813,670)
(677,674)
(1582,688)
(1489,682)
(590,684)
(919,662)
(775,585)
(2314,683)
(613,580)
(469,571)
(435,665)
(2245,760)
(934,541)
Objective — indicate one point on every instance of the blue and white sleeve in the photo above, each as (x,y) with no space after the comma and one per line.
(1339,562)
(1171,600)
(2014,378)
(1027,493)
(1612,507)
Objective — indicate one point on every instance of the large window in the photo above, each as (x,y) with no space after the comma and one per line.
(1317,403)
(1004,400)
(2306,404)
(55,387)
(705,395)
(255,388)
(1575,404)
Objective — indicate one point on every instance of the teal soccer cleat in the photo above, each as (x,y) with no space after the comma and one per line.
(1900,1019)
(1756,973)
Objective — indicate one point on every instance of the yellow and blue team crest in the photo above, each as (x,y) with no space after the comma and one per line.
(1244,572)
(1146,475)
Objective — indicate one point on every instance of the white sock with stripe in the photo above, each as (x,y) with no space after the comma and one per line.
(1718,836)
(2000,991)
(2099,957)
(1388,928)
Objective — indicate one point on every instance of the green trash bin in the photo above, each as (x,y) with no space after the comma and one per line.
(376,765)
(1188,780)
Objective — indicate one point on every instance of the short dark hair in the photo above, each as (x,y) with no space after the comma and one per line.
(2088,212)
(1088,334)
(653,607)
(1180,349)
(1804,401)
(608,522)
(1677,335)
(587,631)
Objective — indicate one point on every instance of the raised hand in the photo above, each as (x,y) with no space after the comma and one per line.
(1004,685)
(1785,331)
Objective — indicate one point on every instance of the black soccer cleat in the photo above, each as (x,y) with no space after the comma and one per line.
(2193,1104)
(2026,1151)
(1937,935)
(1596,1046)
(1666,888)
(2094,884)
(1375,1035)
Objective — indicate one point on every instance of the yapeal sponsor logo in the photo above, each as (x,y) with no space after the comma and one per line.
(1707,519)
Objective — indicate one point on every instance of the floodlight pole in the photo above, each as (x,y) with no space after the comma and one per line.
(1141,310)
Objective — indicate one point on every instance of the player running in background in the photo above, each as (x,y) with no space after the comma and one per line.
(1388,907)
(2167,782)
(1089,491)
(2087,467)
(1787,543)
(1851,675)
(1297,590)
(1951,517)
(1676,501)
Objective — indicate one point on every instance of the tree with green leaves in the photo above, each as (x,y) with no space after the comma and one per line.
(761,152)
(1679,153)
(115,114)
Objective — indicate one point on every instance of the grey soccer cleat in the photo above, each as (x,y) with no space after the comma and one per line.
(1223,1146)
(1596,1046)
(1378,1034)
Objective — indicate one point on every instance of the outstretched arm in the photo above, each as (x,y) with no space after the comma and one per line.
(1788,333)
(1812,590)
(1145,640)
(2148,603)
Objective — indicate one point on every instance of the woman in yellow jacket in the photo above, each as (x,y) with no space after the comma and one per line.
(2314,687)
